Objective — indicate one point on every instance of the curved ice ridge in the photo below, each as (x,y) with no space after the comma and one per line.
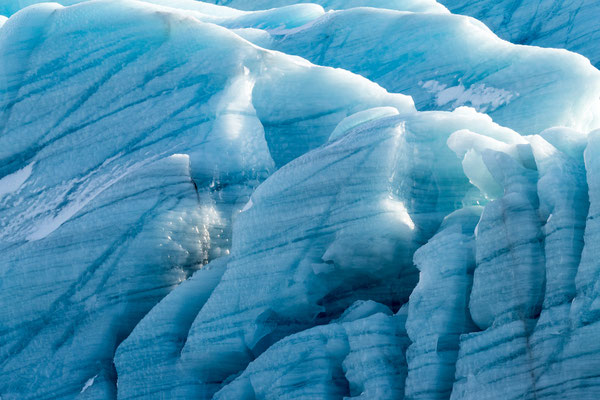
(189,209)
(570,25)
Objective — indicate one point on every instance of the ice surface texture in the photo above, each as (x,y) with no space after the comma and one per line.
(195,204)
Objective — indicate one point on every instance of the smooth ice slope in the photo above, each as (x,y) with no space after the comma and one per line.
(401,5)
(289,17)
(444,61)
(569,24)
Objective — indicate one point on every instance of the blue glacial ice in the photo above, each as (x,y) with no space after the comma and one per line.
(271,200)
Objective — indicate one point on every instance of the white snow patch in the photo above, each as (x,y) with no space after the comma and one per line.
(482,98)
(11,183)
(76,203)
(88,383)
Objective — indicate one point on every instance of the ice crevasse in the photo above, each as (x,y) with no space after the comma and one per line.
(274,200)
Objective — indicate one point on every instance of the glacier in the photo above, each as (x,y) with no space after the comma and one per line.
(268,199)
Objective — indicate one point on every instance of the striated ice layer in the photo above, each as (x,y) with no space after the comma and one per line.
(529,324)
(161,335)
(572,25)
(439,306)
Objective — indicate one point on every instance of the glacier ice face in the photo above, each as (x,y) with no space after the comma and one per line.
(68,298)
(334,196)
(349,216)
(189,209)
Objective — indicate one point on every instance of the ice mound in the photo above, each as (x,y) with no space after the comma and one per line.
(227,8)
(195,204)
(290,17)
(456,61)
(570,25)
(400,5)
